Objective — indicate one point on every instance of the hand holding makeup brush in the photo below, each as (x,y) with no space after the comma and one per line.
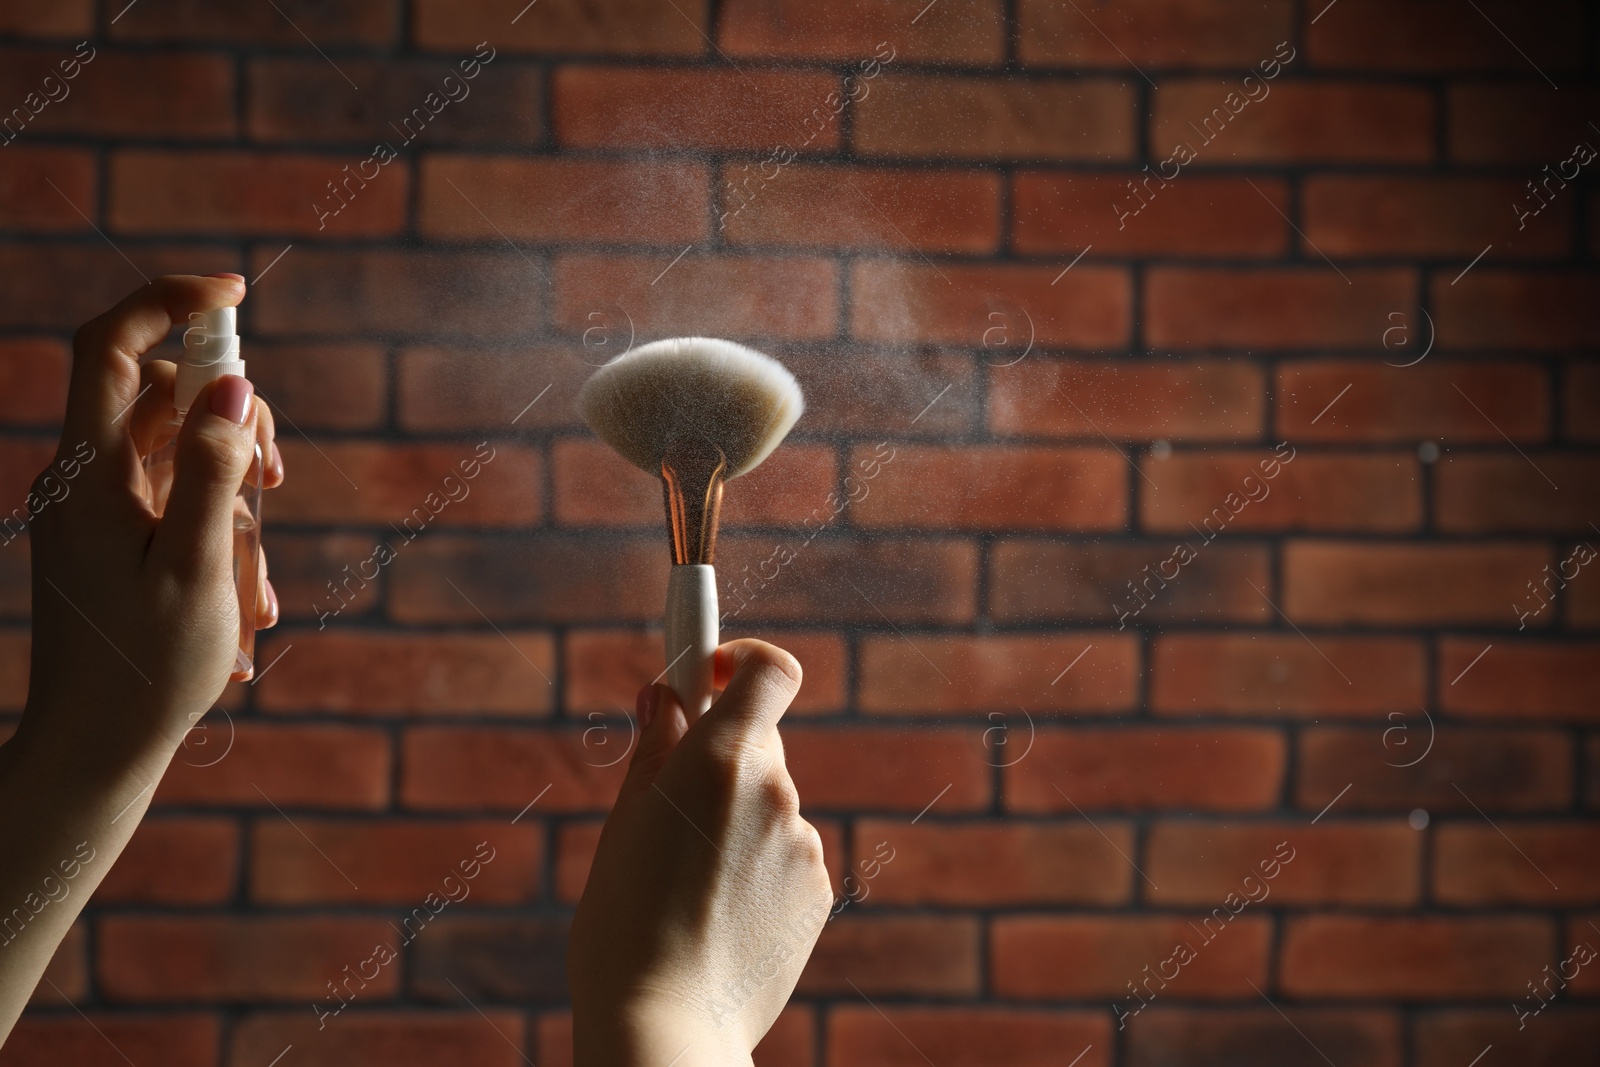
(708,889)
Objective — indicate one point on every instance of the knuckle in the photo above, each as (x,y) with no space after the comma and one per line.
(780,796)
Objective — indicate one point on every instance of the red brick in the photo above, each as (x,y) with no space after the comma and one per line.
(883,769)
(909,580)
(475,389)
(48,18)
(66,976)
(908,955)
(15,648)
(1431,217)
(28,203)
(1498,309)
(184,95)
(290,766)
(1198,216)
(1299,122)
(347,672)
(1330,583)
(491,957)
(1368,863)
(401,484)
(966,1036)
(1282,676)
(602,670)
(1188,400)
(184,861)
(1037,581)
(1444,1038)
(618,27)
(1311,307)
(1542,864)
(569,579)
(1182,34)
(62,286)
(250,193)
(1521,679)
(1411,958)
(490,1038)
(394,862)
(107,1040)
(318,386)
(33,380)
(968,31)
(869,389)
(1013,119)
(1580,389)
(1434,35)
(24,460)
(474,768)
(656,107)
(593,486)
(386,292)
(211,959)
(1502,122)
(1378,492)
(896,301)
(302,565)
(1177,1038)
(305,100)
(739,296)
(921,674)
(1210,769)
(1480,494)
(1094,957)
(551,200)
(575,845)
(1496,769)
(988,487)
(986,865)
(815,206)
(1404,404)
(344,22)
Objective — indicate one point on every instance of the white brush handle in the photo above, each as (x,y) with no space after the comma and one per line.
(691,631)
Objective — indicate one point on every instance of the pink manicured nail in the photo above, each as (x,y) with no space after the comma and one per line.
(272,604)
(230,398)
(645,706)
(226,274)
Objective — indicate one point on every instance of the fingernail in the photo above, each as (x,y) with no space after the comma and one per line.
(277,461)
(272,604)
(225,274)
(645,706)
(230,398)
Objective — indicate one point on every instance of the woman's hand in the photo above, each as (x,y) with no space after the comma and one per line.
(708,889)
(135,617)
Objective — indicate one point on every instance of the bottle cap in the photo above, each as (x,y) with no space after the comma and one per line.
(210,350)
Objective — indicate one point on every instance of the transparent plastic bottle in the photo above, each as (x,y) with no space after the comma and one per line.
(210,351)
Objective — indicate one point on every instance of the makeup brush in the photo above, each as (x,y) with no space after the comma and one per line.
(695,412)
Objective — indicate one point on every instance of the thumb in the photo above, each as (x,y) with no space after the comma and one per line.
(216,449)
(662,725)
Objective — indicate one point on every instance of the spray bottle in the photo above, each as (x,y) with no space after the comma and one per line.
(210,351)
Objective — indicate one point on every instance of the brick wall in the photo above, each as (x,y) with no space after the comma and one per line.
(1202,487)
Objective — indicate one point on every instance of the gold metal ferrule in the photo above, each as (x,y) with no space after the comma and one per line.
(692,476)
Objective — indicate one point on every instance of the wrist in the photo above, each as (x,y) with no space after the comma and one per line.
(84,756)
(642,1036)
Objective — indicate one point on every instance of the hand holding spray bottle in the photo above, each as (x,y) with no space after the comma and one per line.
(210,351)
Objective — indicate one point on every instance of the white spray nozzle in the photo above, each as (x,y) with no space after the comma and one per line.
(210,350)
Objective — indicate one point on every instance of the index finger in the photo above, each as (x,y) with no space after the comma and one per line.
(106,351)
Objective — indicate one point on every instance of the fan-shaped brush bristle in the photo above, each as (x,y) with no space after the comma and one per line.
(688,389)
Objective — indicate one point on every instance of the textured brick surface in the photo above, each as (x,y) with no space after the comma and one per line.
(1086,654)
